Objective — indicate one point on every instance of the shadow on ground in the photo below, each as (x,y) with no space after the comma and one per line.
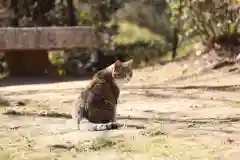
(192,95)
(134,118)
(14,81)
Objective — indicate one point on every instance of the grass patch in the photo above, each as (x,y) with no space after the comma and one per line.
(120,144)
(173,148)
(130,33)
(99,143)
(184,49)
(153,146)
(157,147)
(153,130)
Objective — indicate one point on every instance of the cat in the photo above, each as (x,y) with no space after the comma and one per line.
(98,101)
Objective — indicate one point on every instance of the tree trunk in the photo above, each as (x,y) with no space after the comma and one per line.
(28,63)
(72,20)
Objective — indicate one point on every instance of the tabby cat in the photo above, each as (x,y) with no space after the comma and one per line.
(98,101)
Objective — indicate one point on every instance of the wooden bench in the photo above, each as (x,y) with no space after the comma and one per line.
(26,49)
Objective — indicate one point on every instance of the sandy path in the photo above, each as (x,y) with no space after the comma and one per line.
(195,116)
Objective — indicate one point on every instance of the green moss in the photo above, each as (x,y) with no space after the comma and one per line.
(130,33)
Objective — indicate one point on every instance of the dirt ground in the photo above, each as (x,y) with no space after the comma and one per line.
(170,114)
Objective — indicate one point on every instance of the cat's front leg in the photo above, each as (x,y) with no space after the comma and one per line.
(77,115)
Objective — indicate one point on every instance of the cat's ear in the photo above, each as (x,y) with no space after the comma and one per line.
(129,63)
(117,63)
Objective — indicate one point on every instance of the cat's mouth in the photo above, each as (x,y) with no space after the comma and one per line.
(127,80)
(119,78)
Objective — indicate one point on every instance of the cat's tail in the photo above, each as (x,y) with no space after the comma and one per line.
(106,126)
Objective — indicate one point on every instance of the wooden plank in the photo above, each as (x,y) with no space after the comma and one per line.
(49,38)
